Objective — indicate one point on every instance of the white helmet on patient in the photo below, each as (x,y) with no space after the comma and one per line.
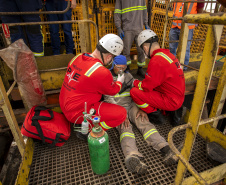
(147,36)
(110,43)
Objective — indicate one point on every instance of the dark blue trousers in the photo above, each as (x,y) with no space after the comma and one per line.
(59,5)
(33,33)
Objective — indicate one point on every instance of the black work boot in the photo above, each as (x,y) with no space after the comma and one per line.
(176,117)
(141,72)
(156,117)
(169,158)
(134,165)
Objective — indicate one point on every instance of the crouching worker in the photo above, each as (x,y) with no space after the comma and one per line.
(133,158)
(163,86)
(87,79)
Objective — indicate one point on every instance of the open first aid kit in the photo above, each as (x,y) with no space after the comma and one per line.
(46,125)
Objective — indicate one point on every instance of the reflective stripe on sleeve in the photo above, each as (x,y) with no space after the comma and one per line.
(119,85)
(118,11)
(143,105)
(73,59)
(164,56)
(139,86)
(130,9)
(92,69)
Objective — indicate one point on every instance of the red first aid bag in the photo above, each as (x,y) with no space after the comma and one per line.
(46,125)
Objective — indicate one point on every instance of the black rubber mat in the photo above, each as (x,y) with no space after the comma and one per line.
(70,164)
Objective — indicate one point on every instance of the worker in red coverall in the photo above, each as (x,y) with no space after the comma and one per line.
(163,86)
(87,80)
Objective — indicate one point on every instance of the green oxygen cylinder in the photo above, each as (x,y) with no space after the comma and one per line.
(98,143)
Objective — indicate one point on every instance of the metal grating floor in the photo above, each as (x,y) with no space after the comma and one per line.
(70,164)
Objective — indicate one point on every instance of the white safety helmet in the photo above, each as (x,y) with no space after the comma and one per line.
(112,43)
(146,35)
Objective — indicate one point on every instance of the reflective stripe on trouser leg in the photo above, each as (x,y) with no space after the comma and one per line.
(127,140)
(141,64)
(128,62)
(147,129)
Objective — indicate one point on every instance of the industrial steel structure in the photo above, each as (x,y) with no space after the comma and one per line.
(70,164)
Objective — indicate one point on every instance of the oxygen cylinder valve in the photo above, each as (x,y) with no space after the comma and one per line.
(96,120)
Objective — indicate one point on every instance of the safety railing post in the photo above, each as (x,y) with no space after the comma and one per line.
(204,76)
(165,25)
(11,119)
(220,96)
(183,40)
(84,30)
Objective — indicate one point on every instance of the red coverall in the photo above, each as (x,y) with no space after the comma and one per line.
(163,86)
(87,80)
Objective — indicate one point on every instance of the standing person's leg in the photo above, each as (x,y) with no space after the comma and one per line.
(128,41)
(34,34)
(187,55)
(51,5)
(141,58)
(68,39)
(173,36)
(152,136)
(16,32)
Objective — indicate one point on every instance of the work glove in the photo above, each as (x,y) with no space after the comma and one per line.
(147,27)
(121,78)
(120,33)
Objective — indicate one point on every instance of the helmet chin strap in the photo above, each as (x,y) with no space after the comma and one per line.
(149,56)
(155,39)
(101,54)
(101,50)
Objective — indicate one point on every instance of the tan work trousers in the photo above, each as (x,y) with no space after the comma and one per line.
(147,129)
